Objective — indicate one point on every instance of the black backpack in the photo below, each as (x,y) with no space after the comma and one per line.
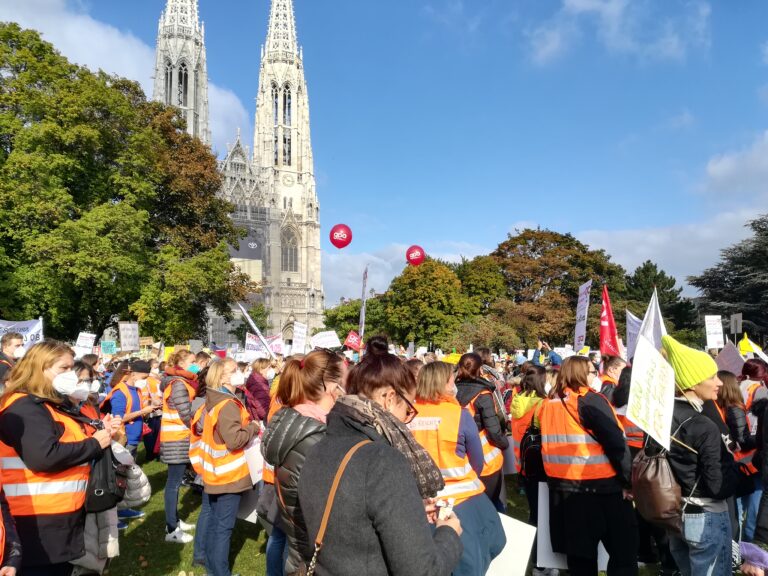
(531,461)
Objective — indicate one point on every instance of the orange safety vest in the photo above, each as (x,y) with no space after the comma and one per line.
(519,427)
(196,440)
(220,465)
(493,457)
(569,452)
(32,493)
(274,408)
(123,388)
(436,428)
(172,428)
(744,457)
(150,391)
(633,434)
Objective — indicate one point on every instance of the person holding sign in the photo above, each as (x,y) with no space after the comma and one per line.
(588,467)
(702,465)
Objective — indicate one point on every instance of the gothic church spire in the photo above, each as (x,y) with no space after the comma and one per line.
(282,42)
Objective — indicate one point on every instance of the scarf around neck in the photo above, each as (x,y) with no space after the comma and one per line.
(425,471)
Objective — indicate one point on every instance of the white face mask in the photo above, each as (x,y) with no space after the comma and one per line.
(66,383)
(237,379)
(18,354)
(81,391)
(596,384)
(270,375)
(140,384)
(95,386)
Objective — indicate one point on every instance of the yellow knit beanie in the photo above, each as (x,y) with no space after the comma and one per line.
(691,366)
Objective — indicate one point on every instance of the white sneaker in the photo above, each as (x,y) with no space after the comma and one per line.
(179,537)
(186,527)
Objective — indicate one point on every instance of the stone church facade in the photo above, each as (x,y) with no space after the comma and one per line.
(271,186)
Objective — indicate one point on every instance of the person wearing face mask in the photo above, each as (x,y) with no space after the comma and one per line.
(178,393)
(153,395)
(448,432)
(702,465)
(11,350)
(612,368)
(257,388)
(381,522)
(45,456)
(227,430)
(307,390)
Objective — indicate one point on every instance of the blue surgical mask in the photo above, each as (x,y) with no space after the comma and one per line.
(194,368)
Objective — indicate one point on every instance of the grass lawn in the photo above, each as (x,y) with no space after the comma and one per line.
(144,552)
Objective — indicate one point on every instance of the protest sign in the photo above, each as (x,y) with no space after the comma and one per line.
(546,557)
(299,338)
(31,330)
(255,460)
(513,560)
(252,342)
(582,311)
(84,344)
(653,323)
(714,327)
(730,359)
(327,339)
(129,336)
(276,344)
(353,340)
(652,392)
(146,341)
(633,331)
(256,330)
(108,347)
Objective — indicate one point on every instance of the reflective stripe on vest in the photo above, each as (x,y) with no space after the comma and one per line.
(519,427)
(567,449)
(634,435)
(220,465)
(493,457)
(195,441)
(172,427)
(436,428)
(32,493)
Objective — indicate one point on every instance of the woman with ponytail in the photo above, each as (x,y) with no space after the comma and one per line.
(308,389)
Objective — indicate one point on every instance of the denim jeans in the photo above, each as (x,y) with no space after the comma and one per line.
(704,548)
(201,531)
(222,521)
(277,546)
(748,506)
(175,476)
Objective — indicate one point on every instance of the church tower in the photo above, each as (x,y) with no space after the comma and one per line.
(181,77)
(274,189)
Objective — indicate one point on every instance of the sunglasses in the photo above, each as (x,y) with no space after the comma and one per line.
(410,411)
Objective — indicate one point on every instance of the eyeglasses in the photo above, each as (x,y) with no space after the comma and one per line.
(410,411)
(593,372)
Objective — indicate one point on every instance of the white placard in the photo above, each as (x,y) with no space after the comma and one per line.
(252,343)
(30,330)
(255,460)
(129,336)
(85,340)
(248,503)
(299,338)
(513,560)
(582,312)
(327,339)
(714,327)
(652,392)
(545,556)
(276,344)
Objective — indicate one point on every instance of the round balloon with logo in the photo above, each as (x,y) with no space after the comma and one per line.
(341,236)
(415,255)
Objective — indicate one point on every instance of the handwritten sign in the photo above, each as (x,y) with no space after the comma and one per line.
(129,336)
(299,338)
(714,327)
(108,347)
(327,339)
(652,392)
(582,311)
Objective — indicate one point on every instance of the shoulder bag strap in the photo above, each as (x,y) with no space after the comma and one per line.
(329,503)
(576,420)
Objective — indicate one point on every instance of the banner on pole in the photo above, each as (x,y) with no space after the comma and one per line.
(129,336)
(582,311)
(653,323)
(361,328)
(353,340)
(256,330)
(633,331)
(609,338)
(714,327)
(31,330)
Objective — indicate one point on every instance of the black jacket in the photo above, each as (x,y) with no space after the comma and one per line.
(486,416)
(738,428)
(718,474)
(28,428)
(378,526)
(287,441)
(760,411)
(12,552)
(6,364)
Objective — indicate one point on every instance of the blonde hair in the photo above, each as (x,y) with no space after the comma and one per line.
(260,363)
(433,377)
(216,371)
(28,376)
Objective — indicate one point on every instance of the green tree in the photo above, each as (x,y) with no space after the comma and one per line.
(739,282)
(107,207)
(481,280)
(346,316)
(260,316)
(680,311)
(425,304)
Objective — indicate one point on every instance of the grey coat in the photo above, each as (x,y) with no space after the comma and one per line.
(378,526)
(177,452)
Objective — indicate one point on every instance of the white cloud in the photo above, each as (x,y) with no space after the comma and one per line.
(741,175)
(623,27)
(98,45)
(685,119)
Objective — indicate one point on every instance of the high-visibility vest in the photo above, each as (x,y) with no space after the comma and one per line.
(569,452)
(220,465)
(172,428)
(2,536)
(196,440)
(436,428)
(150,391)
(749,400)
(519,427)
(274,407)
(633,434)
(493,457)
(745,456)
(41,493)
(122,388)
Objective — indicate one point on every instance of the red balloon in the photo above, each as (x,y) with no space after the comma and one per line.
(415,255)
(341,236)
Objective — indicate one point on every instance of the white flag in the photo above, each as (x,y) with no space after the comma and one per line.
(653,324)
(634,324)
(255,328)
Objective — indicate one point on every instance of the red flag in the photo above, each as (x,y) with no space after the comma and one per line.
(609,338)
(353,341)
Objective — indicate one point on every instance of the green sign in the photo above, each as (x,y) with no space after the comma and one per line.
(108,347)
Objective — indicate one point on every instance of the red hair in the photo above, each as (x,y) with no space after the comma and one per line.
(755,369)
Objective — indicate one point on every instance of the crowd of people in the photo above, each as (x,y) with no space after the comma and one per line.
(391,463)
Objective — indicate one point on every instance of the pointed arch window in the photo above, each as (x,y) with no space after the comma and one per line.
(289,247)
(168,83)
(276,115)
(287,113)
(183,85)
(287,105)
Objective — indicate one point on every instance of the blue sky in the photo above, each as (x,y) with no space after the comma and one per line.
(638,125)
